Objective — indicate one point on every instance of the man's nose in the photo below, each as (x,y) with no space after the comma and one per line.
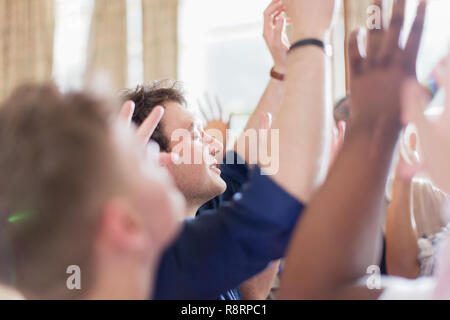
(214,145)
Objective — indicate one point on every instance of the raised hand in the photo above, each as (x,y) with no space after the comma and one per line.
(376,81)
(311,18)
(274,35)
(145,131)
(216,123)
(434,135)
(349,226)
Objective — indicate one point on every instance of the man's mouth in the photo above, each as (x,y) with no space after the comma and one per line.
(215,166)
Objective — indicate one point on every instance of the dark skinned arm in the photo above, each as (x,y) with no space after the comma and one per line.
(334,243)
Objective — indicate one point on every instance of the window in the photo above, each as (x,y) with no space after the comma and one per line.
(72,29)
(222,51)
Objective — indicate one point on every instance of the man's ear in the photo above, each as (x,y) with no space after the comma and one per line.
(121,226)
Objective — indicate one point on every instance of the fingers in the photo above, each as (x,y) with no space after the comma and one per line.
(415,37)
(278,30)
(284,36)
(220,109)
(203,112)
(275,7)
(215,110)
(375,37)
(270,14)
(393,34)
(210,107)
(126,112)
(150,124)
(355,58)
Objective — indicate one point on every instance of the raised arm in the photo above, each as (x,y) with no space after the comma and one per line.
(435,145)
(334,242)
(219,251)
(402,249)
(305,119)
(270,102)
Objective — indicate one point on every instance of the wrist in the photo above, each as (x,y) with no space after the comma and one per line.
(301,34)
(275,74)
(376,133)
(280,69)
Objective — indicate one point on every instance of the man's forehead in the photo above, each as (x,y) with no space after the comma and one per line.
(178,116)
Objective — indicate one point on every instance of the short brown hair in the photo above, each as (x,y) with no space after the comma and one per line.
(148,96)
(57,162)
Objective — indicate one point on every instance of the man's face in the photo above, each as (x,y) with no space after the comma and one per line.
(198,176)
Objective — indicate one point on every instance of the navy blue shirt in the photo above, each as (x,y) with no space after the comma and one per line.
(234,175)
(220,249)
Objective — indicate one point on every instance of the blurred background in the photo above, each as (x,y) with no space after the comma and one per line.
(213,46)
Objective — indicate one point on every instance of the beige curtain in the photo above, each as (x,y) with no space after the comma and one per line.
(26,42)
(160,39)
(108,42)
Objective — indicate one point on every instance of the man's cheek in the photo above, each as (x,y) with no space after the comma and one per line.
(198,154)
